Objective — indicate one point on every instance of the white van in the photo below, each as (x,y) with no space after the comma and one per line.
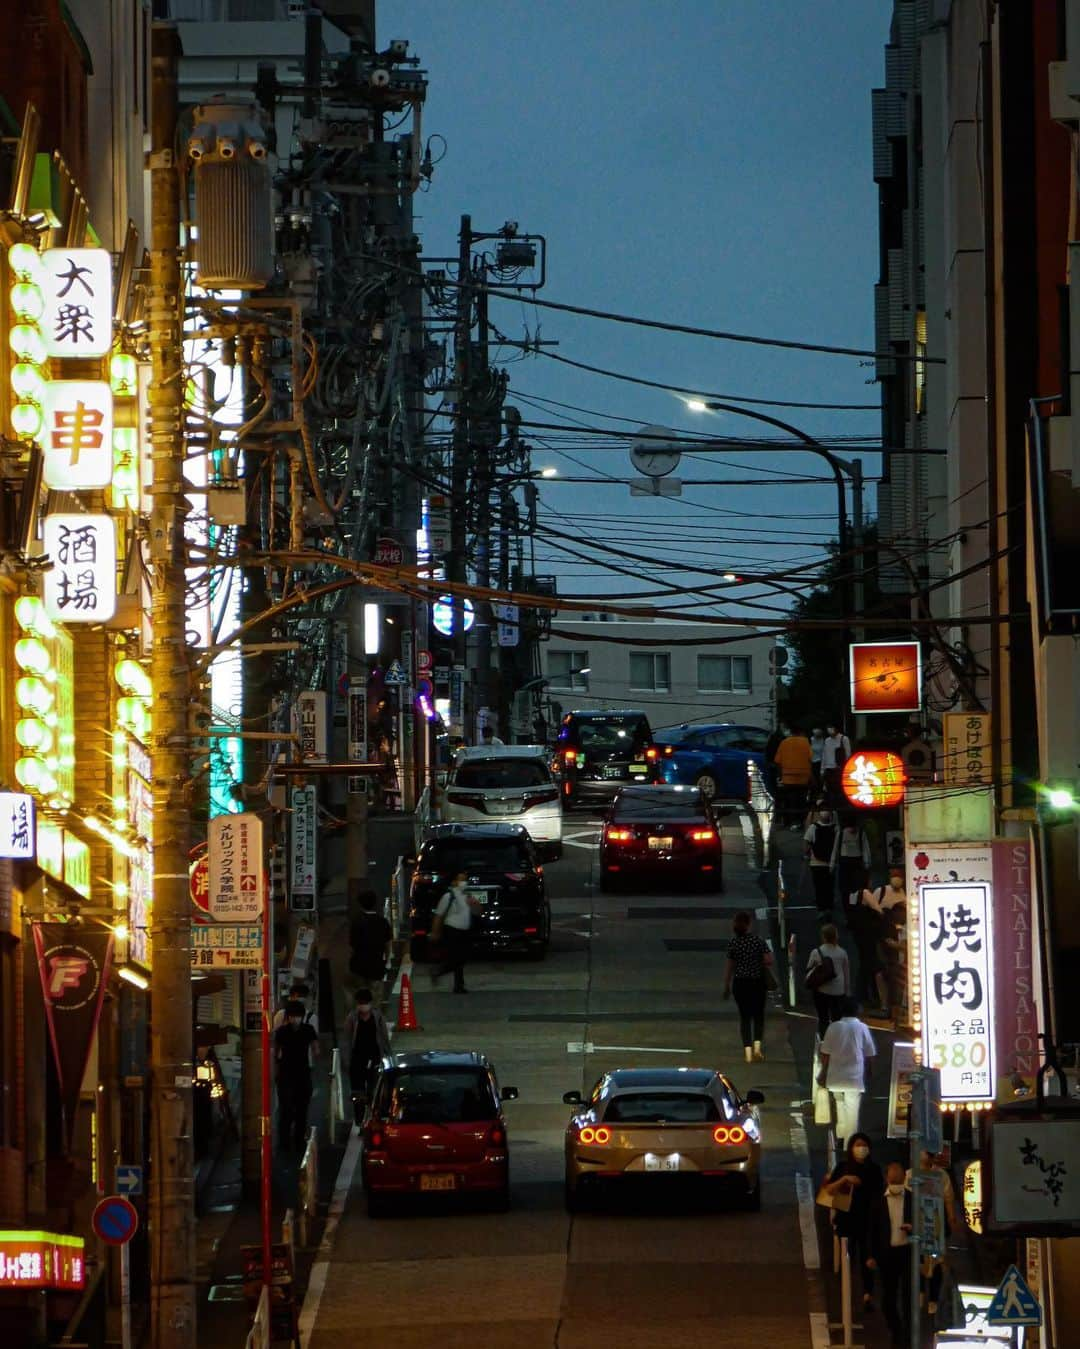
(506,783)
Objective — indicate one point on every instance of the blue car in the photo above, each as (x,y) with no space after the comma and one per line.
(711,757)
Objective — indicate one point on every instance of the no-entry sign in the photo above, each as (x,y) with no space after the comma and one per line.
(115,1220)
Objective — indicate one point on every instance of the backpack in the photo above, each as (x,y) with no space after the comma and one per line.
(822,972)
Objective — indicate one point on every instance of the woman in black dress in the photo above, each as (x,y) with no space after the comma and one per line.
(745,975)
(860,1177)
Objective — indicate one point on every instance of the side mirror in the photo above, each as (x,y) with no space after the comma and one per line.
(509,1093)
(755,1098)
(572,1098)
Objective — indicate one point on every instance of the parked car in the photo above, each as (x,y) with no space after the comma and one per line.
(664,831)
(436,1126)
(597,753)
(681,1125)
(505,879)
(511,782)
(712,757)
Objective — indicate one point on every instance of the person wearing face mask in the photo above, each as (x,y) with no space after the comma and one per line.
(367,1041)
(893,1252)
(820,840)
(860,1178)
(451,923)
(835,752)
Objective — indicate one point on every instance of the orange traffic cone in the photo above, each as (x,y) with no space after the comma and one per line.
(406,1009)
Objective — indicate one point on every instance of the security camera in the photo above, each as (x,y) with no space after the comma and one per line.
(379,78)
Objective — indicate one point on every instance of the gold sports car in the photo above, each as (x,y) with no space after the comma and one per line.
(649,1123)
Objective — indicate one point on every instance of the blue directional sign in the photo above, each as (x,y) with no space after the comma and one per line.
(128,1179)
(1014,1304)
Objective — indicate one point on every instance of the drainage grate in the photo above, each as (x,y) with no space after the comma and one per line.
(677,911)
(696,944)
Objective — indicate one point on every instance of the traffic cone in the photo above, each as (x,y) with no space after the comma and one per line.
(406,1009)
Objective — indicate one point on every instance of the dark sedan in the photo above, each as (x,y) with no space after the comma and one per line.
(661,831)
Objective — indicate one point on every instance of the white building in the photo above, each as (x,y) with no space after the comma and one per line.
(674,671)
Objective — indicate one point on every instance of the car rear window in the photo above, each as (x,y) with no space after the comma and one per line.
(433,1096)
(673,735)
(502,773)
(487,854)
(669,1107)
(688,807)
(607,733)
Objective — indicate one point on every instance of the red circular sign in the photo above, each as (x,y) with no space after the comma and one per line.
(115,1220)
(874,778)
(199,882)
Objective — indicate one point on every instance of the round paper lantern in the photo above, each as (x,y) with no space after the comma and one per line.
(874,778)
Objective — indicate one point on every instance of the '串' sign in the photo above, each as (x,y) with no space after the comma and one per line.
(78,435)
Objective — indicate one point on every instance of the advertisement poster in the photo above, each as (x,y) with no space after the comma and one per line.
(237,868)
(302,835)
(885,677)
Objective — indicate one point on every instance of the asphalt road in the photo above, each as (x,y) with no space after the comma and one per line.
(631,979)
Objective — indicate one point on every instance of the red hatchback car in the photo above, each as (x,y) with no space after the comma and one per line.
(436,1127)
(654,832)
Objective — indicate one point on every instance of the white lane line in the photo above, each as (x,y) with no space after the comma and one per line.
(804,1194)
(321,1268)
(574,843)
(587,1047)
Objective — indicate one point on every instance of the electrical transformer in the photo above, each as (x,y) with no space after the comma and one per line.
(234,249)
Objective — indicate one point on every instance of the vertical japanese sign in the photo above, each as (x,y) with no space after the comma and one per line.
(968,751)
(357,723)
(74,969)
(78,302)
(17,826)
(80,583)
(235,851)
(302,869)
(957,977)
(886,677)
(140,816)
(78,435)
(312,726)
(1016,1017)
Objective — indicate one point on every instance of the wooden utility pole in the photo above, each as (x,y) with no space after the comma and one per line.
(172,1207)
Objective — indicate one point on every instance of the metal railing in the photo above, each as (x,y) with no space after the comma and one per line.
(308,1185)
(258,1337)
(336,1104)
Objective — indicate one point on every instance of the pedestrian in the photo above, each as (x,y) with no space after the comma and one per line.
(371,938)
(451,930)
(792,759)
(820,839)
(851,855)
(863,913)
(298,992)
(769,770)
(892,946)
(858,1178)
(893,1251)
(295,1042)
(746,974)
(488,736)
(847,1057)
(835,752)
(817,745)
(828,977)
(367,1042)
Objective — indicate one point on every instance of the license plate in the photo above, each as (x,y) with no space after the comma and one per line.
(613,772)
(654,1162)
(478,896)
(433,1182)
(504,807)
(662,843)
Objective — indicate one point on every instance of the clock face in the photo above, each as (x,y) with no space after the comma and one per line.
(652,456)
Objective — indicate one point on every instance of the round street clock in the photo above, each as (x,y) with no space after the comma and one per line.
(656,456)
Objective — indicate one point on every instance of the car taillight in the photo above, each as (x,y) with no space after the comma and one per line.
(652,752)
(497,1138)
(601,1134)
(375,1139)
(669,749)
(538,798)
(703,835)
(729,1134)
(464,799)
(619,835)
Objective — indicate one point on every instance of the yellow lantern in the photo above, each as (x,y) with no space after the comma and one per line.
(32,654)
(33,734)
(34,694)
(32,618)
(131,676)
(27,301)
(26,420)
(25,261)
(27,343)
(27,382)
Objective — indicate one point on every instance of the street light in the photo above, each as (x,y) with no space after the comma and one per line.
(549,472)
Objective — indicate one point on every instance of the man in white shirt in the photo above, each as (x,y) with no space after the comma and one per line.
(894,1252)
(450,927)
(835,752)
(847,1055)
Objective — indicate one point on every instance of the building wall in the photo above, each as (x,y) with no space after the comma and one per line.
(609,646)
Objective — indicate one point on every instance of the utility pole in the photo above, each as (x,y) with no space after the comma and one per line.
(172,1211)
(456,563)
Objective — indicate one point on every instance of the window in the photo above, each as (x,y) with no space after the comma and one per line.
(500,774)
(650,671)
(659,806)
(662,1108)
(568,670)
(457,1096)
(723,674)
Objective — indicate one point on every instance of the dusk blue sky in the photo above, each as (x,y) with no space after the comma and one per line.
(703,161)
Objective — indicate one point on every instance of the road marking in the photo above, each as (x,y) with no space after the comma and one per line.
(574,842)
(804,1194)
(587,1047)
(321,1268)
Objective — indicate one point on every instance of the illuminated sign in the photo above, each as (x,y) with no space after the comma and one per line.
(140,817)
(41,1260)
(237,870)
(17,826)
(886,677)
(80,585)
(442,615)
(973,1197)
(873,778)
(63,856)
(968,752)
(956,976)
(77,284)
(77,439)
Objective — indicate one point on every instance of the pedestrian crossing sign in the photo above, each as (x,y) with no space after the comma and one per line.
(1014,1304)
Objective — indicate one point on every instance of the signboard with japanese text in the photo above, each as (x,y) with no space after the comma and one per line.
(237,868)
(41,1260)
(967,751)
(885,677)
(77,439)
(17,826)
(957,976)
(388,553)
(1016,1000)
(1034,1177)
(78,302)
(221,946)
(199,883)
(873,778)
(312,726)
(357,714)
(302,840)
(80,584)
(140,818)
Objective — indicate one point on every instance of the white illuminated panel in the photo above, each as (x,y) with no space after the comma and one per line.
(77,439)
(957,974)
(77,283)
(80,583)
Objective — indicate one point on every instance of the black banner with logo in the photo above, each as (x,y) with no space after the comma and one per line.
(74,966)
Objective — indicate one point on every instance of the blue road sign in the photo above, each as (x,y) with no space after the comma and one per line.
(128,1179)
(114,1220)
(1014,1304)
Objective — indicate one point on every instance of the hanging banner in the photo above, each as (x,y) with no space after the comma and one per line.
(968,753)
(74,967)
(886,677)
(1016,1016)
(78,302)
(302,868)
(357,723)
(312,726)
(80,585)
(237,870)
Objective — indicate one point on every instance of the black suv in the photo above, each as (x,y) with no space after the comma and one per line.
(505,878)
(597,753)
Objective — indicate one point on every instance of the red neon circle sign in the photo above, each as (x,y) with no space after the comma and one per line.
(874,778)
